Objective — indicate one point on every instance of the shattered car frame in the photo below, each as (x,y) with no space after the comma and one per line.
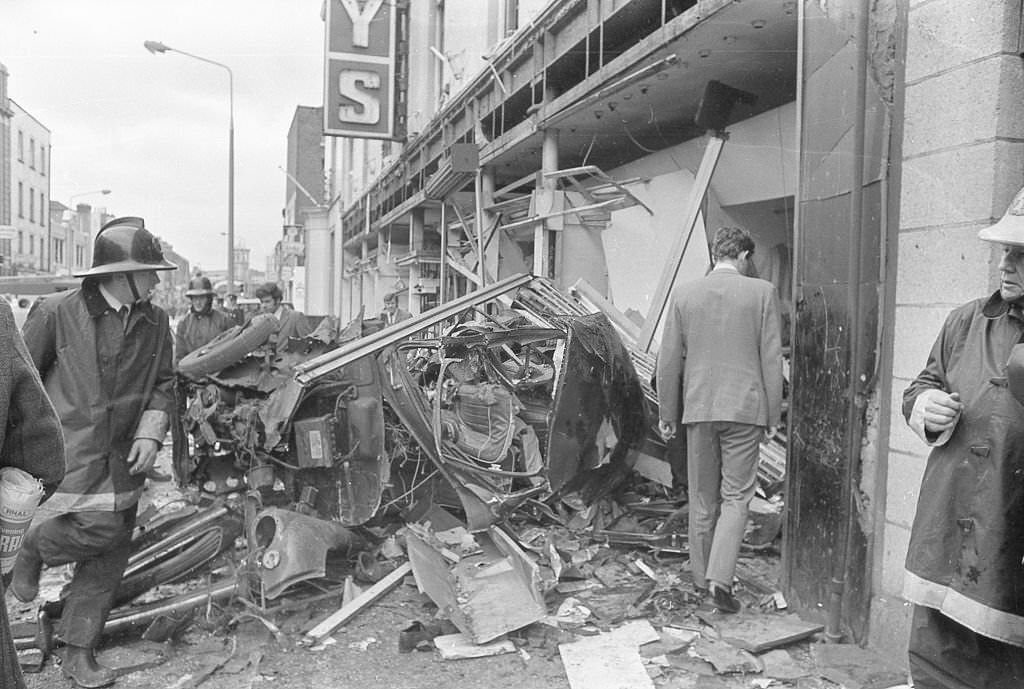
(493,401)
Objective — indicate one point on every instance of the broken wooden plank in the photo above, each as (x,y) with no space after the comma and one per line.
(758,633)
(349,611)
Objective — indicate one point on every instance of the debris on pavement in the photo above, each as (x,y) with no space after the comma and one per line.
(459,647)
(496,453)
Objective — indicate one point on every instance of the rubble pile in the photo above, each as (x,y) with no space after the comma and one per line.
(497,453)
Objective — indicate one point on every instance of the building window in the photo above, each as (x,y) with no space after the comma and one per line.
(32,245)
(21,199)
(32,154)
(21,242)
(42,209)
(42,161)
(21,146)
(31,204)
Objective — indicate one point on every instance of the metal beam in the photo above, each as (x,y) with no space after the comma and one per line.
(309,371)
(668,276)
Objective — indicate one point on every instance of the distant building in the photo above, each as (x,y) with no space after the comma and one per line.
(71,233)
(304,193)
(30,191)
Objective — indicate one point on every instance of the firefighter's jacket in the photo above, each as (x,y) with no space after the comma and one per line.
(196,329)
(110,383)
(967,540)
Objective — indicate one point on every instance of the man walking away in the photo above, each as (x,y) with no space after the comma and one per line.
(104,353)
(720,373)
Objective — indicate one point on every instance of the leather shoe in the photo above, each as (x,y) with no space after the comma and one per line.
(722,598)
(25,575)
(79,665)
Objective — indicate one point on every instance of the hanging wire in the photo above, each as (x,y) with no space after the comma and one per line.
(586,156)
(636,143)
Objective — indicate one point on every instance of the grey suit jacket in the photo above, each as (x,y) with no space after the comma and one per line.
(721,352)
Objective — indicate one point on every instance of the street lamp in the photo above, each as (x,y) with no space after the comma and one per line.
(158,47)
(85,193)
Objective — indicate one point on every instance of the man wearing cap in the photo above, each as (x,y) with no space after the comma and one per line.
(964,572)
(202,323)
(104,353)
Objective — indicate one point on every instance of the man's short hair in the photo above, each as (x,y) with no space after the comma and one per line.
(730,242)
(390,296)
(269,289)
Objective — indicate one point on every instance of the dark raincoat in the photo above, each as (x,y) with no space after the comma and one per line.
(105,399)
(30,439)
(196,329)
(967,541)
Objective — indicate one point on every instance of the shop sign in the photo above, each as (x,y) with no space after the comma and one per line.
(360,62)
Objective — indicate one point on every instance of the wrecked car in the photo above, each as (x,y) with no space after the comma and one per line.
(499,400)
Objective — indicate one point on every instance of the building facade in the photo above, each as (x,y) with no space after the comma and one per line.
(305,192)
(30,193)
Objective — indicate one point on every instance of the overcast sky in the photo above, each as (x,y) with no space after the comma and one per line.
(154,128)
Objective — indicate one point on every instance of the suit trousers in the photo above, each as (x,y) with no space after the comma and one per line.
(722,473)
(100,544)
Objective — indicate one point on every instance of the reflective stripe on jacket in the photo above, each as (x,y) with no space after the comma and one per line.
(967,540)
(102,377)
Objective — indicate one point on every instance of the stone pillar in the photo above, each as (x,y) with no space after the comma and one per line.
(318,263)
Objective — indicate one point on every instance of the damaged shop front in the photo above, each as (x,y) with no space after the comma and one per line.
(601,145)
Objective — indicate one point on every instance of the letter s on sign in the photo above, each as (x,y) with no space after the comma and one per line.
(368,109)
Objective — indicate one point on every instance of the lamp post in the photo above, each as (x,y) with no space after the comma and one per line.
(158,47)
(69,230)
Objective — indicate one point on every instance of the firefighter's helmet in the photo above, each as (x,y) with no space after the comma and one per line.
(199,286)
(124,245)
(1010,228)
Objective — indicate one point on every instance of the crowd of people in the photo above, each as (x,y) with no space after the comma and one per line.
(87,397)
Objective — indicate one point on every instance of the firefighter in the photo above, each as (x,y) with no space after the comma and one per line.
(964,573)
(202,323)
(104,352)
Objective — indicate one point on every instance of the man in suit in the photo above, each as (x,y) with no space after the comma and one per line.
(392,313)
(292,323)
(720,373)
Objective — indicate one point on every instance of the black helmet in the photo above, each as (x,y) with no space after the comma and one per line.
(199,286)
(124,245)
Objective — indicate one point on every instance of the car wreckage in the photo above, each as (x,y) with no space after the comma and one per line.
(503,399)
